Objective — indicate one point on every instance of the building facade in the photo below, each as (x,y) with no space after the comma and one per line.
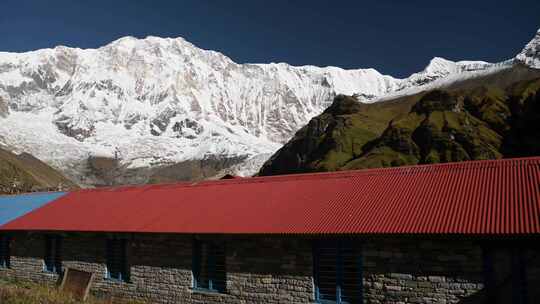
(351,242)
(268,269)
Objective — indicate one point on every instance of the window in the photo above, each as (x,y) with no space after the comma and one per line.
(4,252)
(117,263)
(209,266)
(53,254)
(505,275)
(337,272)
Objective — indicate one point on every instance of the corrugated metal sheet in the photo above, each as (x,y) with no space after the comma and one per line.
(477,197)
(14,206)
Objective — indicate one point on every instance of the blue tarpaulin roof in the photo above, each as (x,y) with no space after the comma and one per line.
(13,206)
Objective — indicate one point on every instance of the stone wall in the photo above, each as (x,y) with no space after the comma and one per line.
(266,269)
(422,271)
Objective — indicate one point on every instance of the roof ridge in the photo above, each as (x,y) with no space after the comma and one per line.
(470,164)
(495,197)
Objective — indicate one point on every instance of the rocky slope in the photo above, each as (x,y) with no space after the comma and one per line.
(25,173)
(488,117)
(156,109)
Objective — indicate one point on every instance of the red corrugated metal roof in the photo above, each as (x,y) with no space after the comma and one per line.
(476,197)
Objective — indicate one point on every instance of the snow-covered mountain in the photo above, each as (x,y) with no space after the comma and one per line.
(530,55)
(154,102)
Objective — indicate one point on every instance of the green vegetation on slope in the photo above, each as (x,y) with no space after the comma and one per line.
(485,118)
(25,173)
(333,138)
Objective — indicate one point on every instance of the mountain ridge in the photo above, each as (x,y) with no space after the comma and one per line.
(480,118)
(157,102)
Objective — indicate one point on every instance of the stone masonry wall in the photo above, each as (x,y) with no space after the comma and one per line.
(411,271)
(265,269)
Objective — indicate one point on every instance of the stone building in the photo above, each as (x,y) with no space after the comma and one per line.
(449,233)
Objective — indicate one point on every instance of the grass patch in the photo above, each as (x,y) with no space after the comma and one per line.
(19,292)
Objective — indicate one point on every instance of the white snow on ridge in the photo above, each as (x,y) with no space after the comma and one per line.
(530,55)
(441,83)
(158,101)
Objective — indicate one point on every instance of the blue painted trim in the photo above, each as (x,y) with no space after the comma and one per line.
(5,259)
(211,265)
(196,265)
(315,271)
(53,270)
(52,262)
(207,290)
(361,272)
(123,272)
(339,272)
(339,247)
(120,279)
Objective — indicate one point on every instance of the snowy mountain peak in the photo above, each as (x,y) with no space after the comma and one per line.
(437,63)
(130,42)
(160,101)
(530,55)
(441,66)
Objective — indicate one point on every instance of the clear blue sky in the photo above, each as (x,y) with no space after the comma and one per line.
(395,37)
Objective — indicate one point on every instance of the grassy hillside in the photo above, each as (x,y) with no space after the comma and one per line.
(483,118)
(25,173)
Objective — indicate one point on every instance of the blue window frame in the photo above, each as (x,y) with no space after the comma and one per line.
(209,271)
(5,254)
(53,254)
(337,272)
(118,267)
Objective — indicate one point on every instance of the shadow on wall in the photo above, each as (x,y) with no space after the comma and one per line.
(451,271)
